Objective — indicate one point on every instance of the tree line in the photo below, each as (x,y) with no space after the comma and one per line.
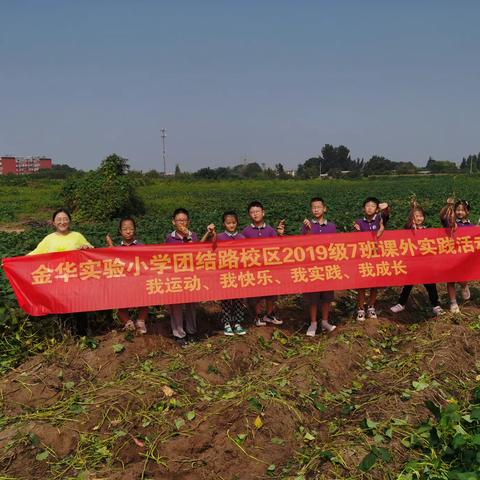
(335,162)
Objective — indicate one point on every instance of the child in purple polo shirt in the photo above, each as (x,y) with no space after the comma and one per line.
(233,311)
(416,221)
(127,230)
(180,312)
(318,225)
(454,215)
(259,229)
(375,217)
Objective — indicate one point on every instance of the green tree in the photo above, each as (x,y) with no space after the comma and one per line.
(280,171)
(441,166)
(104,193)
(378,165)
(403,168)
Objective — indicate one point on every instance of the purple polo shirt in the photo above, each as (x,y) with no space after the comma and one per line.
(460,223)
(374,224)
(317,227)
(173,238)
(225,236)
(264,231)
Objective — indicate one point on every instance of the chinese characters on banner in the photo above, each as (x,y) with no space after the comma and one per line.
(106,278)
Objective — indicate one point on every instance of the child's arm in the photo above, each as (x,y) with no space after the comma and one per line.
(356,226)
(210,233)
(281,227)
(109,240)
(308,225)
(384,211)
(381,229)
(446,209)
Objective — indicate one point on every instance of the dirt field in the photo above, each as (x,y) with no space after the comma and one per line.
(271,404)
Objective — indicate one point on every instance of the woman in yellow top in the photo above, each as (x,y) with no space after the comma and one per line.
(62,239)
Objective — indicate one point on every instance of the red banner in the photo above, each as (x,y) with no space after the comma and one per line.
(120,277)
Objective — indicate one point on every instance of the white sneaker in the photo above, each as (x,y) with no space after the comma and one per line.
(272,319)
(454,308)
(259,322)
(328,327)
(312,330)
(361,316)
(438,310)
(141,327)
(371,313)
(466,292)
(397,308)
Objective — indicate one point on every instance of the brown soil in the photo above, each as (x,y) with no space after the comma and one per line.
(128,415)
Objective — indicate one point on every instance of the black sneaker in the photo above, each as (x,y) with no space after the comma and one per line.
(192,338)
(181,342)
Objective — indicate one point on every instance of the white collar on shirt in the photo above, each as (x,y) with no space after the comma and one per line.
(189,237)
(320,224)
(372,220)
(123,244)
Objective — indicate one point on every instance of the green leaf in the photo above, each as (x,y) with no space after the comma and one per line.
(241,437)
(229,395)
(69,385)
(190,416)
(406,442)
(277,441)
(308,437)
(43,455)
(179,423)
(320,407)
(368,461)
(382,453)
(34,439)
(458,440)
(282,382)
(475,414)
(271,467)
(420,385)
(255,405)
(118,347)
(435,409)
(369,424)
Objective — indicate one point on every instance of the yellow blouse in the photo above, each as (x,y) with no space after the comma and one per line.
(56,242)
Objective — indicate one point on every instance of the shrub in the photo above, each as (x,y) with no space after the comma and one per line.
(103,194)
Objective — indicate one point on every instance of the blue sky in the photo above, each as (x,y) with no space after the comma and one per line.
(271,81)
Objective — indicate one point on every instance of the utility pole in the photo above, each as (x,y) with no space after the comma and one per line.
(320,166)
(471,164)
(163,151)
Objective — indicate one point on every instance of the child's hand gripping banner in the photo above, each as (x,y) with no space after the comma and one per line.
(107,278)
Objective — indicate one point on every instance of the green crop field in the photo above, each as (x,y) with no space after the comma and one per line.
(394,398)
